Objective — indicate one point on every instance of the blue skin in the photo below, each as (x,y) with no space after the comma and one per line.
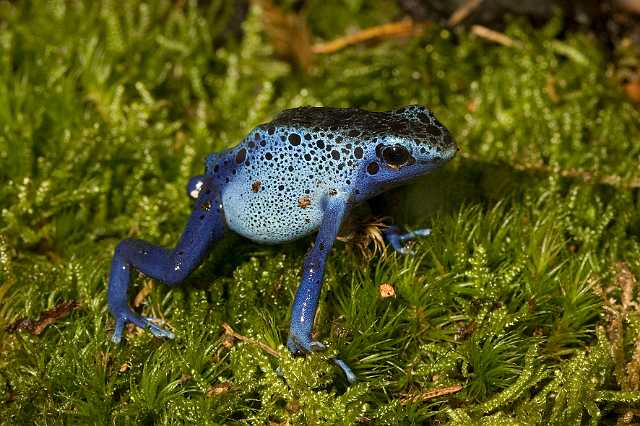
(300,173)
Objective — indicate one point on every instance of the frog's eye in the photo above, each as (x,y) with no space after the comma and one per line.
(396,156)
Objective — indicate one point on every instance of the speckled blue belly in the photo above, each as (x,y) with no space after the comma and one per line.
(256,209)
(277,188)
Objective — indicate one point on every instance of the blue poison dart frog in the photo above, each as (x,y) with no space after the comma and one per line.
(300,173)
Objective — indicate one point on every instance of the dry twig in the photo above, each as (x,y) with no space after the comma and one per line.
(430,394)
(231,332)
(494,36)
(402,28)
(462,12)
(58,312)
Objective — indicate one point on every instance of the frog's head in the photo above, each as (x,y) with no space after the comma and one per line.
(413,144)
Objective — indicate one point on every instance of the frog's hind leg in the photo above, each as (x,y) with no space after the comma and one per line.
(171,266)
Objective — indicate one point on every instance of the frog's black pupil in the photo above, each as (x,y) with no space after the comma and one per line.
(395,155)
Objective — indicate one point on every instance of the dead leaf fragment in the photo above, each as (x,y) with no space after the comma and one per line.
(218,389)
(58,312)
(430,394)
(632,89)
(386,290)
(143,293)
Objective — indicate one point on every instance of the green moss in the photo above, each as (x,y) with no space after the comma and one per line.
(107,108)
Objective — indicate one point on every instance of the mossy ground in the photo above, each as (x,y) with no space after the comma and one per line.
(525,294)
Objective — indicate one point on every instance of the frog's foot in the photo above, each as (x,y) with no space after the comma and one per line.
(300,345)
(126,315)
(395,238)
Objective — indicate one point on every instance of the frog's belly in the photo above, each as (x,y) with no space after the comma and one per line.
(271,216)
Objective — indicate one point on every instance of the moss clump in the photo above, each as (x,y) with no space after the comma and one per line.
(107,108)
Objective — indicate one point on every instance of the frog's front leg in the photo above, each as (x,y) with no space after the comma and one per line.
(306,301)
(171,266)
(393,235)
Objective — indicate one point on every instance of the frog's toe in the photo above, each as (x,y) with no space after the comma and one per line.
(351,377)
(299,345)
(317,346)
(116,337)
(424,232)
(140,321)
(395,238)
(303,346)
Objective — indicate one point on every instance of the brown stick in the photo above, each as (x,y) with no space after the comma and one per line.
(462,12)
(494,36)
(231,332)
(402,28)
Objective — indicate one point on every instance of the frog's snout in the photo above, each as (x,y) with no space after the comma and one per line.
(451,148)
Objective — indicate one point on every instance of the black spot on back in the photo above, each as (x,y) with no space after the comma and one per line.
(294,139)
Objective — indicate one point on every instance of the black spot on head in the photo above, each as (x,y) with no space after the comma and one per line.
(320,144)
(433,130)
(423,117)
(256,136)
(335,154)
(373,168)
(353,133)
(268,156)
(358,152)
(271,130)
(263,143)
(241,156)
(307,136)
(294,139)
(216,168)
(252,144)
(307,157)
(280,187)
